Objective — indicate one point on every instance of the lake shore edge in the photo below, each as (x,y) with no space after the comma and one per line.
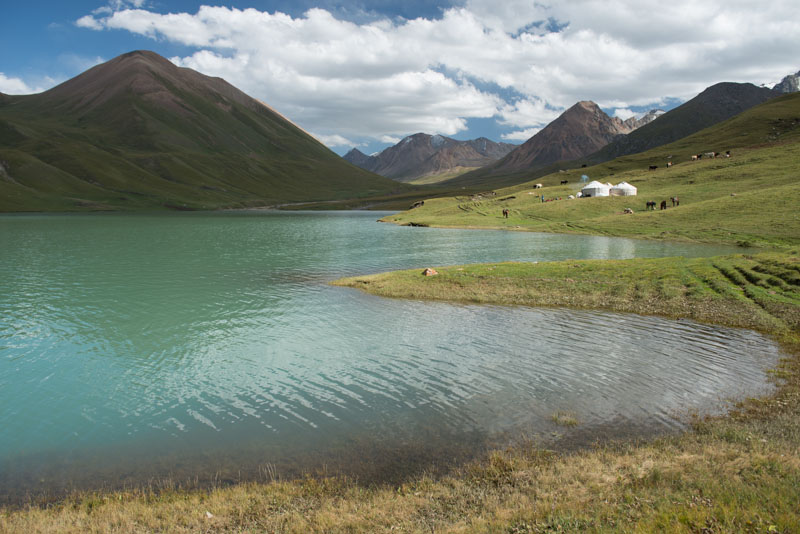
(737,472)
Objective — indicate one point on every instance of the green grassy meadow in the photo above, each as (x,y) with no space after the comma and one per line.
(749,199)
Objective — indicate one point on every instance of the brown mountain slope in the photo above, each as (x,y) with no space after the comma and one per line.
(139,132)
(581,130)
(421,155)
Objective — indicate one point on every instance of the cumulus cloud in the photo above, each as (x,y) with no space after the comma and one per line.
(334,140)
(16,86)
(520,135)
(394,77)
(624,113)
(90,22)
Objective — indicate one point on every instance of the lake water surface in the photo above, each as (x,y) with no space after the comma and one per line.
(208,348)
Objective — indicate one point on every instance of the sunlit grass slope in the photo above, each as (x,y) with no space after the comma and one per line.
(775,121)
(750,198)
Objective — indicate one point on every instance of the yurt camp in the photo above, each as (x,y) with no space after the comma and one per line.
(595,189)
(623,189)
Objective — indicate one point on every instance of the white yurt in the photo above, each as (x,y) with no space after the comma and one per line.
(623,189)
(595,189)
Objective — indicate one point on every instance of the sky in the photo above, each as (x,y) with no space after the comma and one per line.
(366,74)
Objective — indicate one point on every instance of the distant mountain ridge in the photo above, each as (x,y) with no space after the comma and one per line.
(715,104)
(139,132)
(579,131)
(634,123)
(422,154)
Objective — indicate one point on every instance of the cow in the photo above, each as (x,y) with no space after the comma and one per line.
(669,164)
(537,186)
(694,157)
(653,167)
(563,182)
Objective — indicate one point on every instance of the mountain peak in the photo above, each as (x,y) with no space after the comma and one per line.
(587,104)
(581,130)
(145,132)
(423,154)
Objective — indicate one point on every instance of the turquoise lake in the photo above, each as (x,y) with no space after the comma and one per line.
(207,348)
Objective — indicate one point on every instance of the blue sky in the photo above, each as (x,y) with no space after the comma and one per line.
(368,73)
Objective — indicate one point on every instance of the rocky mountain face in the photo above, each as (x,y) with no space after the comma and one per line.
(635,123)
(422,155)
(139,132)
(715,104)
(579,131)
(789,84)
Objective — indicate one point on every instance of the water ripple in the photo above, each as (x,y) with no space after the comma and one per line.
(218,332)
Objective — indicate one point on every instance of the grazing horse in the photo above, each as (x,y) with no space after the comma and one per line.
(564,182)
(505,213)
(651,205)
(669,164)
(694,157)
(653,167)
(663,204)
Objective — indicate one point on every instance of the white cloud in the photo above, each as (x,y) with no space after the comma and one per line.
(624,113)
(16,86)
(395,77)
(90,22)
(521,135)
(334,140)
(526,112)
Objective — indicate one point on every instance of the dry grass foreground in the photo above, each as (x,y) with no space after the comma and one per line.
(739,473)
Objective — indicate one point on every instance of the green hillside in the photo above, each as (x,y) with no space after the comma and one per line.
(138,132)
(749,198)
(714,105)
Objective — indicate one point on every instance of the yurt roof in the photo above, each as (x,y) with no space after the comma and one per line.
(594,185)
(624,185)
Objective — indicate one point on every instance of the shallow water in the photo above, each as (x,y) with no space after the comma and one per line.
(203,348)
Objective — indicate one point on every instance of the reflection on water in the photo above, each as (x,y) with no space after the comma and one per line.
(195,347)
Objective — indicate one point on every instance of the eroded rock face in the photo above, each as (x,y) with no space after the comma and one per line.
(425,155)
(790,84)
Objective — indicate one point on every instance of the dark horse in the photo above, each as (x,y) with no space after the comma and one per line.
(663,204)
